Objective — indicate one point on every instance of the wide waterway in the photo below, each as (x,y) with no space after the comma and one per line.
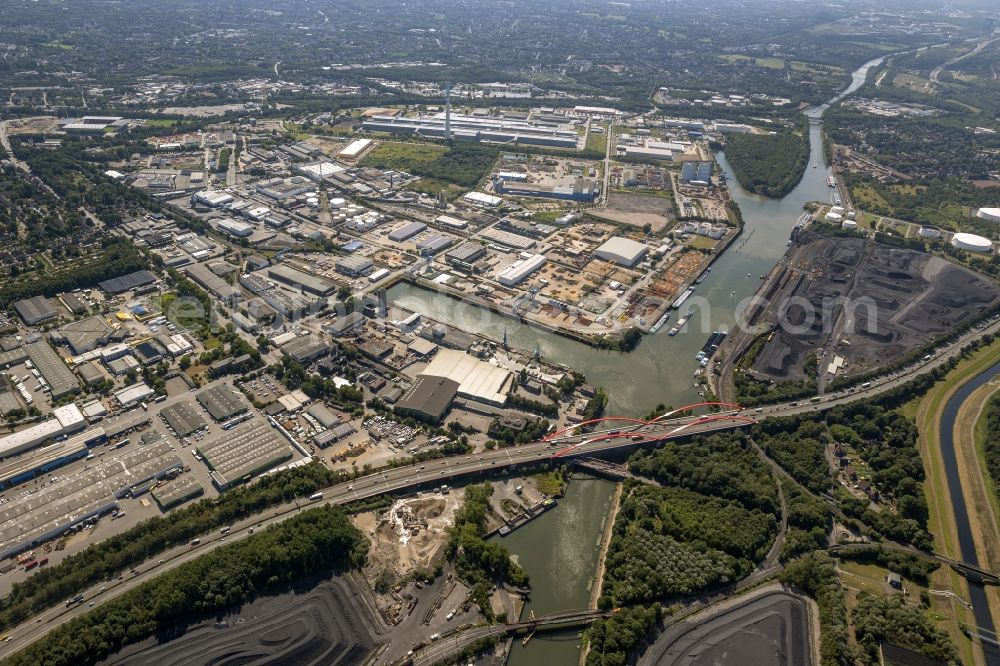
(966,541)
(559,551)
(661,368)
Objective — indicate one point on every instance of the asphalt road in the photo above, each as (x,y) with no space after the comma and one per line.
(435,472)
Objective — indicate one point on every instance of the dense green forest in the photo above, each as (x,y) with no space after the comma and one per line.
(808,521)
(887,441)
(991,440)
(722,465)
(707,528)
(480,563)
(317,540)
(877,618)
(816,575)
(612,641)
(104,560)
(769,164)
(798,445)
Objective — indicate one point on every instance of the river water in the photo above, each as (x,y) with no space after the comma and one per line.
(661,368)
(966,542)
(559,551)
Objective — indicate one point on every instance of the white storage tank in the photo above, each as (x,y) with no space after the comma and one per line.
(849,224)
(929,232)
(337,202)
(972,243)
(834,217)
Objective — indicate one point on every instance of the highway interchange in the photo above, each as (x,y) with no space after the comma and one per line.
(433,473)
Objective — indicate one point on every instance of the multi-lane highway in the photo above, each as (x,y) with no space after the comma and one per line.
(435,472)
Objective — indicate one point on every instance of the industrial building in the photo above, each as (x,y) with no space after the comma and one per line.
(128,282)
(407,231)
(477,129)
(306,348)
(697,173)
(60,378)
(237,456)
(42,460)
(433,244)
(582,189)
(222,402)
(465,255)
(66,419)
(347,323)
(482,199)
(451,222)
(184,417)
(212,283)
(622,251)
(235,227)
(35,310)
(134,394)
(30,520)
(354,266)
(646,153)
(293,277)
(177,491)
(520,269)
(333,435)
(506,238)
(87,334)
(429,399)
(477,380)
(356,148)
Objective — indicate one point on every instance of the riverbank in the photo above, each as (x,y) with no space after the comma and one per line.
(598,585)
(943,522)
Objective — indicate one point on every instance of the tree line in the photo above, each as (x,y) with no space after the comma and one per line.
(320,539)
(769,164)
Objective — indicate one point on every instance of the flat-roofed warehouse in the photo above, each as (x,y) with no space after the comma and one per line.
(57,375)
(222,402)
(127,282)
(306,348)
(407,231)
(478,380)
(35,310)
(238,455)
(176,492)
(428,399)
(216,285)
(465,254)
(622,251)
(86,334)
(183,417)
(29,520)
(314,284)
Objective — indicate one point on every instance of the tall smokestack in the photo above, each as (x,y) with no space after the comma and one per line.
(447,111)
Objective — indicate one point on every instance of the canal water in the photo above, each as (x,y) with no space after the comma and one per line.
(559,551)
(661,369)
(966,541)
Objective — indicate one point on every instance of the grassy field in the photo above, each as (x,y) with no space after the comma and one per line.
(597,141)
(405,153)
(927,412)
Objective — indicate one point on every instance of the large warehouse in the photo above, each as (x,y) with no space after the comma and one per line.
(428,399)
(520,269)
(66,419)
(238,455)
(477,380)
(35,310)
(60,378)
(222,402)
(622,251)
